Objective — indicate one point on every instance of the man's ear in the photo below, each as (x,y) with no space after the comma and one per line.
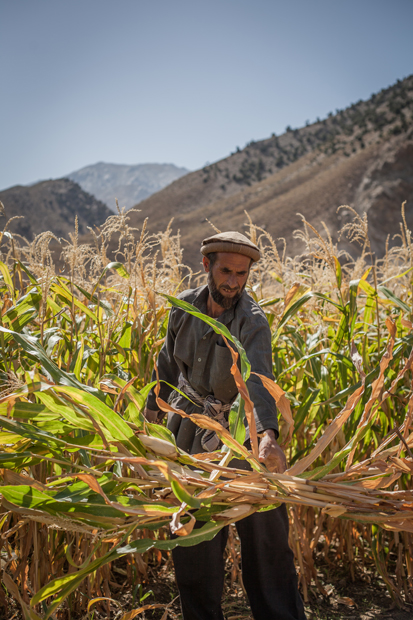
(207,263)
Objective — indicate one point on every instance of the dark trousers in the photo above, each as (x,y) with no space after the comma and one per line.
(268,571)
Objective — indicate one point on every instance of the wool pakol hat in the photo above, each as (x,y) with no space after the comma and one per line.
(230,241)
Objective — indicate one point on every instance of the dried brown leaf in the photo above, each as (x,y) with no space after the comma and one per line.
(282,402)
(249,405)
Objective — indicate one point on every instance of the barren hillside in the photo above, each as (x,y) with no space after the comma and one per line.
(50,205)
(362,156)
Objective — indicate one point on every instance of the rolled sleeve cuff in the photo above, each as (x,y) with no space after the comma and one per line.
(266,424)
(151,401)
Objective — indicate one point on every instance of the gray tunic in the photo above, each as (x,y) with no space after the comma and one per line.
(193,348)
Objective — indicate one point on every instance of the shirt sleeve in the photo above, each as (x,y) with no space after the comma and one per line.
(168,369)
(256,340)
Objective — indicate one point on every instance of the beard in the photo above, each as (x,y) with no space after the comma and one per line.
(219,298)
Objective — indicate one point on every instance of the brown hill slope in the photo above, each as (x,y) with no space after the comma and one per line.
(362,156)
(51,205)
(376,179)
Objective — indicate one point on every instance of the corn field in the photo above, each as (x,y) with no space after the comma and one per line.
(89,487)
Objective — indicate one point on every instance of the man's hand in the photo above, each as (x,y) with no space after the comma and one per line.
(151,415)
(271,454)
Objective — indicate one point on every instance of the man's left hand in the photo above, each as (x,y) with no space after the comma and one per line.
(151,415)
(271,454)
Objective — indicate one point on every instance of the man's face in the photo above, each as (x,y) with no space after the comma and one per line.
(227,277)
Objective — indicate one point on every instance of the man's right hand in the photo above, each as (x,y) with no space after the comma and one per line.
(151,415)
(271,454)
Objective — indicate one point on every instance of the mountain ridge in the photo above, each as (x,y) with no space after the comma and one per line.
(51,205)
(128,183)
(324,165)
(362,156)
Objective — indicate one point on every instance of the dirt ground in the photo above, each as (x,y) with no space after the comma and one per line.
(361,600)
(364,599)
(368,602)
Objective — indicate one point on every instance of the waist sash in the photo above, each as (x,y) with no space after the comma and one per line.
(212,407)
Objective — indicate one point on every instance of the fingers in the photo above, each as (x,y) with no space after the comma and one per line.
(272,455)
(274,461)
(151,415)
(274,464)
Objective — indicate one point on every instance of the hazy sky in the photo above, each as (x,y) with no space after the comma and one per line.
(181,81)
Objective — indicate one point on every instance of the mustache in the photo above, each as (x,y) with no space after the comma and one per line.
(218,296)
(228,288)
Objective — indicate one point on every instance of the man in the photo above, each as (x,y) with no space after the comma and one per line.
(196,360)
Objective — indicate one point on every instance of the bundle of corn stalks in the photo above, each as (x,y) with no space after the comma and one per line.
(86,480)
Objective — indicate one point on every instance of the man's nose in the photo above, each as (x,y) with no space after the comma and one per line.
(232,281)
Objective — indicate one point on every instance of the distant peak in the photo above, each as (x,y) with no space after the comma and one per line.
(128,183)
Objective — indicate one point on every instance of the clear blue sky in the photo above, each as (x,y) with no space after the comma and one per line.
(181,81)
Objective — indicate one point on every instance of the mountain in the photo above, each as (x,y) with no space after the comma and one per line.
(129,184)
(51,205)
(361,156)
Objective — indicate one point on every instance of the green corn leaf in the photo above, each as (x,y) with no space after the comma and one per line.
(368,313)
(218,327)
(119,268)
(353,288)
(25,410)
(79,359)
(263,303)
(157,430)
(56,309)
(31,432)
(32,278)
(329,300)
(125,339)
(302,361)
(325,373)
(182,494)
(89,440)
(36,352)
(67,297)
(52,342)
(133,414)
(20,321)
(115,425)
(236,420)
(7,277)
(396,300)
(338,272)
(315,364)
(17,460)
(309,398)
(26,303)
(63,586)
(202,534)
(57,405)
(28,497)
(367,288)
(92,298)
(291,311)
(342,328)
